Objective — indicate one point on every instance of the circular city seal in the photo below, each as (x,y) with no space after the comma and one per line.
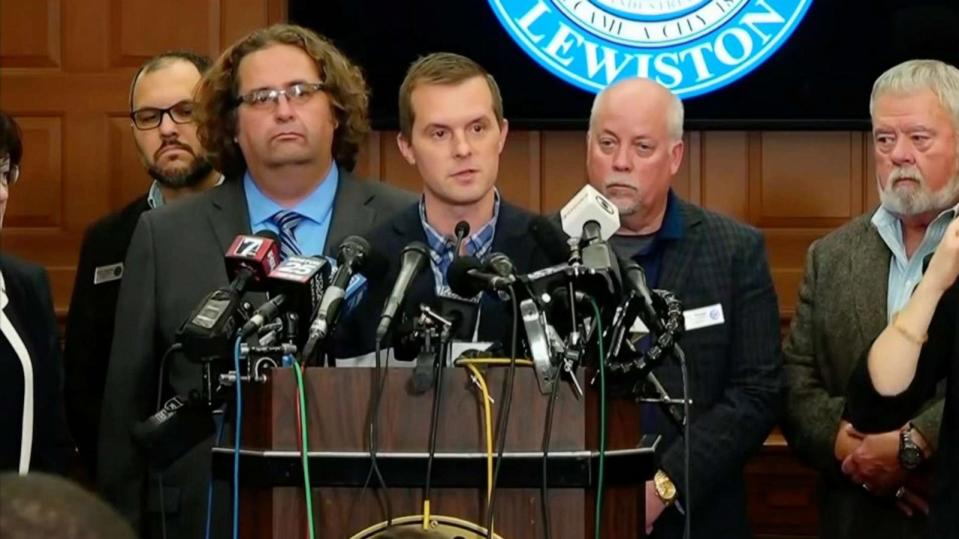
(692,47)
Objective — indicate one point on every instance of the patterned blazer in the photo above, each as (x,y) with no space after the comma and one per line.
(734,367)
(841,310)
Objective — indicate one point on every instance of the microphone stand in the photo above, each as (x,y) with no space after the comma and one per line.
(438,334)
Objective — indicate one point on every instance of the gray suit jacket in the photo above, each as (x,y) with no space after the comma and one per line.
(841,310)
(174,260)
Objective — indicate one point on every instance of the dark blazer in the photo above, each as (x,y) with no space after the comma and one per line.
(175,259)
(356,334)
(735,371)
(939,360)
(841,310)
(30,310)
(90,325)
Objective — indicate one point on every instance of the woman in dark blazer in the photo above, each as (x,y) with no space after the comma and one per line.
(33,429)
(917,350)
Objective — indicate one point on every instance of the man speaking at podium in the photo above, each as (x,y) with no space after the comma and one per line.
(282,113)
(453,131)
(635,148)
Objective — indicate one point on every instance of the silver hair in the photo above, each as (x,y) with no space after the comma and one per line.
(916,75)
(674,120)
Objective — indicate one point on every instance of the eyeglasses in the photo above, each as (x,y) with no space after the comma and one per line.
(8,173)
(266,97)
(151,117)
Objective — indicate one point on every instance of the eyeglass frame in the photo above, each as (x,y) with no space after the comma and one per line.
(12,173)
(163,112)
(275,93)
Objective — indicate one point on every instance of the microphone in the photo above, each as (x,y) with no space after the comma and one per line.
(550,239)
(589,205)
(412,260)
(249,259)
(462,231)
(264,313)
(205,335)
(350,258)
(635,278)
(467,278)
(501,265)
(301,280)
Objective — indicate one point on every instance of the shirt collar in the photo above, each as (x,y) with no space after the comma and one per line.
(315,207)
(673,227)
(155,195)
(885,219)
(477,244)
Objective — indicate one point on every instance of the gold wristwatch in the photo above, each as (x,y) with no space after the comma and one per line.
(665,488)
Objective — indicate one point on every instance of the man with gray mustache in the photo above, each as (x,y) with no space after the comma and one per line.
(714,265)
(856,279)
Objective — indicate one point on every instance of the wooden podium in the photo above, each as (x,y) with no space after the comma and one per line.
(271,476)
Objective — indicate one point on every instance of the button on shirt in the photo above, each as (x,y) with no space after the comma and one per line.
(442,249)
(316,208)
(905,272)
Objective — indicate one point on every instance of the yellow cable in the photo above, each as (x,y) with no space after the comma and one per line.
(488,421)
(426,514)
(492,361)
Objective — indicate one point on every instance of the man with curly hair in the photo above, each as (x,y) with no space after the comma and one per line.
(282,113)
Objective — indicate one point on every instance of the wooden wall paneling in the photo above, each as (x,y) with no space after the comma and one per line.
(519,169)
(564,167)
(30,34)
(724,173)
(395,169)
(39,195)
(806,179)
(141,28)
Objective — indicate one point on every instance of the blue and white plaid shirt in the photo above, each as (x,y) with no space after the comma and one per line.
(442,248)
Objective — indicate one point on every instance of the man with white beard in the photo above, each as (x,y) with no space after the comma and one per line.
(856,280)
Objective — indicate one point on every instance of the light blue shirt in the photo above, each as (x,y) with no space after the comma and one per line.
(316,208)
(905,272)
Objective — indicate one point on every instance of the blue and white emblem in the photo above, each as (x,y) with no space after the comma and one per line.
(690,46)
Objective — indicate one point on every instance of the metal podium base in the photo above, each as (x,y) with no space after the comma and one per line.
(441,526)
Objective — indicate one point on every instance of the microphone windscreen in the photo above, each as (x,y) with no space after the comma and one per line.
(461,283)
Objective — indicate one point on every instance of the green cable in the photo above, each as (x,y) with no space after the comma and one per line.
(602,421)
(306,451)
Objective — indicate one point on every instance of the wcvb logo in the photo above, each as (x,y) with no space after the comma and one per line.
(690,46)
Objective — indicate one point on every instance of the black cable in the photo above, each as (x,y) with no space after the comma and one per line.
(503,421)
(438,369)
(681,356)
(547,432)
(376,393)
(174,348)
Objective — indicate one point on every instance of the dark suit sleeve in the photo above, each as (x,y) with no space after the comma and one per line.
(726,434)
(130,386)
(872,412)
(53,442)
(84,393)
(811,415)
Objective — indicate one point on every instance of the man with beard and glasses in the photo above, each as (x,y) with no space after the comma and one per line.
(161,121)
(856,281)
(634,150)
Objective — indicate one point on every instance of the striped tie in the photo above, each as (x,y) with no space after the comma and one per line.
(286,222)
